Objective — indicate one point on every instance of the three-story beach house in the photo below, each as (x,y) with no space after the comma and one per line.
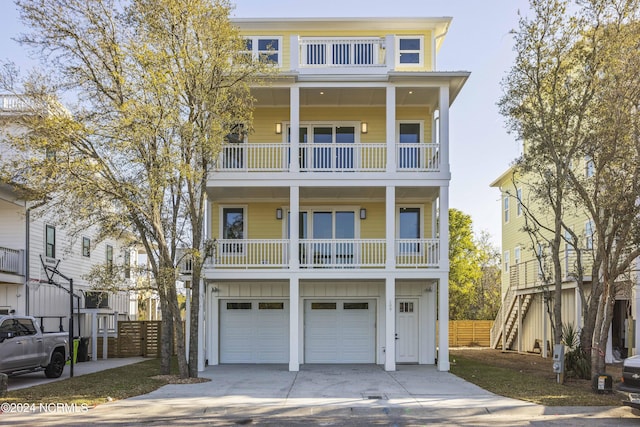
(329,221)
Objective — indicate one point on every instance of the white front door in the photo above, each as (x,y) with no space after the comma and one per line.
(407,330)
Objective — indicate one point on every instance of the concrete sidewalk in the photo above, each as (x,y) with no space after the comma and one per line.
(82,368)
(327,394)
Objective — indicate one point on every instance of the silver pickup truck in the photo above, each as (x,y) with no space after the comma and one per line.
(24,348)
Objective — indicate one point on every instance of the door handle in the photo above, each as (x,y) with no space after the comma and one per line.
(397,336)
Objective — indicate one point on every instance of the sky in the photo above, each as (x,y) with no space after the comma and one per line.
(478,41)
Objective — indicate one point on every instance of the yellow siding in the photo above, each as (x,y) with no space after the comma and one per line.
(286,41)
(264,120)
(262,222)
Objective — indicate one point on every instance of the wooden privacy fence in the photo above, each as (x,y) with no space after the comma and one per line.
(465,333)
(135,338)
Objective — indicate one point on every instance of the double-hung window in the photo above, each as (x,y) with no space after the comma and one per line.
(86,247)
(109,259)
(50,241)
(410,51)
(267,49)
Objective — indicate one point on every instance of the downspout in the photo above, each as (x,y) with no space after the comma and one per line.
(27,252)
(435,44)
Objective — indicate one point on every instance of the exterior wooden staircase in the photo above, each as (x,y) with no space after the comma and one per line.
(507,319)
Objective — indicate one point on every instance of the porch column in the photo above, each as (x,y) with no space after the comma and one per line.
(187,321)
(213,324)
(202,342)
(294,226)
(544,328)
(391,128)
(105,337)
(390,228)
(294,316)
(444,129)
(443,285)
(294,125)
(390,324)
(94,335)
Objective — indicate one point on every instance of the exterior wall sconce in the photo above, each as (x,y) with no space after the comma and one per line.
(429,288)
(364,127)
(278,128)
(279,213)
(363,213)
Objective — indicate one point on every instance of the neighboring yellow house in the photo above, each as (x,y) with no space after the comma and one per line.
(523,323)
(350,150)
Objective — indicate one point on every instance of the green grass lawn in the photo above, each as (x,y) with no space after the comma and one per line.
(93,389)
(531,386)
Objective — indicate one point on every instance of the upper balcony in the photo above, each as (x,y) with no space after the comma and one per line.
(11,264)
(336,157)
(531,274)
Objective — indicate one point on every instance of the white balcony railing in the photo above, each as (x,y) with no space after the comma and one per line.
(13,104)
(11,261)
(417,157)
(342,157)
(417,252)
(255,253)
(319,253)
(341,52)
(315,157)
(342,253)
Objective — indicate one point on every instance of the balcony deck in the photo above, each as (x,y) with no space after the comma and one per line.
(371,157)
(11,261)
(320,254)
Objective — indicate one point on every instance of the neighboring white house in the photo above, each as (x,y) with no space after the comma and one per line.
(351,152)
(29,236)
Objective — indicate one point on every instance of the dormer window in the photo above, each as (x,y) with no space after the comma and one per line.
(410,51)
(268,49)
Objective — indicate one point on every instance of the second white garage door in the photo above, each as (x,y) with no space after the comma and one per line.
(255,331)
(341,331)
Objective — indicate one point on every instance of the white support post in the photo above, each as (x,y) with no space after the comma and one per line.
(187,322)
(520,323)
(294,57)
(443,283)
(94,336)
(391,129)
(390,227)
(578,319)
(105,337)
(213,324)
(545,353)
(294,125)
(294,312)
(390,324)
(294,226)
(444,129)
(201,335)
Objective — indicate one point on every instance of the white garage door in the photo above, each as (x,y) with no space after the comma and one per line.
(341,331)
(255,331)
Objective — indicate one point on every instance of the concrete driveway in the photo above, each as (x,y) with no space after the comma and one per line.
(324,394)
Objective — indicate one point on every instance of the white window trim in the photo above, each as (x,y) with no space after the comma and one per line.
(333,209)
(420,122)
(519,202)
(588,238)
(245,215)
(420,51)
(254,47)
(334,124)
(505,209)
(506,261)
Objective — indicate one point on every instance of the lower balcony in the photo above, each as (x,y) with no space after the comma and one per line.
(11,261)
(320,254)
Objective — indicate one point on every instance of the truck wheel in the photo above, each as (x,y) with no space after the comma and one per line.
(56,366)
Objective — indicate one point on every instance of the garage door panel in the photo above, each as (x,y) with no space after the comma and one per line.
(254,331)
(344,334)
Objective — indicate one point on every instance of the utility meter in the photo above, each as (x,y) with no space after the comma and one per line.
(558,358)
